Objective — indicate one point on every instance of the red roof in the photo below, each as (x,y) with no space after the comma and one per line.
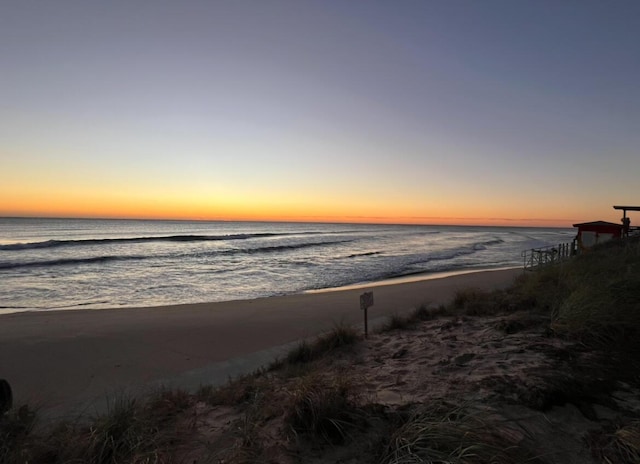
(599,224)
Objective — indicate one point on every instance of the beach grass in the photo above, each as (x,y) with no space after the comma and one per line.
(595,296)
(324,408)
(15,433)
(130,431)
(341,336)
(617,444)
(423,312)
(446,432)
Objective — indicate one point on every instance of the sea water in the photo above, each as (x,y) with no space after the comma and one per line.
(84,263)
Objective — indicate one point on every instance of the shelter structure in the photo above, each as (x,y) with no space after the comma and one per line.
(626,222)
(593,233)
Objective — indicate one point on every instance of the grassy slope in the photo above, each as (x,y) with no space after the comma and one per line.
(297,412)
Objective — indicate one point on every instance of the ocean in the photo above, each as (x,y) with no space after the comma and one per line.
(89,263)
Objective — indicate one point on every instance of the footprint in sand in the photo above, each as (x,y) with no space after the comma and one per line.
(464,359)
(400,353)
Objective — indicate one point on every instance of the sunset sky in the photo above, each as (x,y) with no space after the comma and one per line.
(447,112)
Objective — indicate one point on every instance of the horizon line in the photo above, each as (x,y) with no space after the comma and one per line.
(319,220)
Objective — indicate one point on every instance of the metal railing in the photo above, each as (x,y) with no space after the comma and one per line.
(545,256)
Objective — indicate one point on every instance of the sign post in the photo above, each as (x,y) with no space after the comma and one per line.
(366,301)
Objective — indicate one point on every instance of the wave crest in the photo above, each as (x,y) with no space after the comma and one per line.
(167,238)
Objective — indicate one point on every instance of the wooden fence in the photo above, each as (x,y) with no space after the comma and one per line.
(545,256)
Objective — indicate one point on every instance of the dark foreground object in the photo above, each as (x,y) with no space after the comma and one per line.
(6,397)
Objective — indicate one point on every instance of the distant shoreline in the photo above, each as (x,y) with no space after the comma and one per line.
(409,278)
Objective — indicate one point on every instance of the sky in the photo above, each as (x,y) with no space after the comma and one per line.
(495,112)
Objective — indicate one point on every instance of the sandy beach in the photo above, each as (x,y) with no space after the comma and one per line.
(67,362)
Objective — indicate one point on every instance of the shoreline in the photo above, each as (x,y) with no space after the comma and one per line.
(410,278)
(417,277)
(68,360)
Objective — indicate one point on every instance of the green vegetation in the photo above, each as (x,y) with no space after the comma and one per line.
(323,408)
(627,442)
(341,336)
(445,433)
(15,434)
(584,314)
(129,432)
(621,444)
(595,296)
(422,313)
(241,390)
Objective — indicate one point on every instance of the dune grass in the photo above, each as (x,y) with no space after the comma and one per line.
(627,442)
(130,431)
(15,434)
(398,322)
(447,433)
(424,312)
(324,408)
(340,336)
(595,296)
(241,390)
(620,445)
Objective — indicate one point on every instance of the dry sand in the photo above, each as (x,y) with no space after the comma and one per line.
(506,369)
(71,361)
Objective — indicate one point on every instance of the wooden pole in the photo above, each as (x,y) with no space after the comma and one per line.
(366,323)
(366,300)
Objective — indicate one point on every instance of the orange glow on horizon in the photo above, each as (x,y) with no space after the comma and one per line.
(152,205)
(201,213)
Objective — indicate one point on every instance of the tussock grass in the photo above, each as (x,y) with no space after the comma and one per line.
(475,302)
(246,443)
(422,313)
(425,312)
(444,433)
(122,434)
(340,336)
(398,322)
(15,429)
(627,442)
(324,409)
(165,404)
(241,390)
(130,432)
(303,353)
(619,446)
(544,289)
(595,296)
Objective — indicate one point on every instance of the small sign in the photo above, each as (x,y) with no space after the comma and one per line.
(366,300)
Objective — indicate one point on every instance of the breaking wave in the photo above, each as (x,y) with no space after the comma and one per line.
(106,259)
(169,238)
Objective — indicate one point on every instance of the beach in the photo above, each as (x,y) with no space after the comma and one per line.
(72,362)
